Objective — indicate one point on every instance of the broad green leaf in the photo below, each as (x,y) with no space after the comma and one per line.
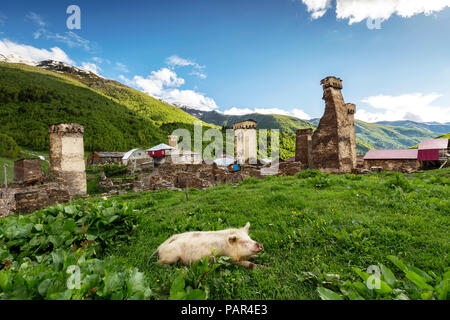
(402,296)
(418,280)
(177,285)
(387,275)
(181,295)
(135,282)
(43,287)
(427,295)
(327,294)
(421,273)
(196,295)
(442,288)
(398,263)
(4,279)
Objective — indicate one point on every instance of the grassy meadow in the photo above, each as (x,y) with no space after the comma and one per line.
(312,226)
(321,224)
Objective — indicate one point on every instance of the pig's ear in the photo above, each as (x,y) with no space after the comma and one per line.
(232,239)
(247,226)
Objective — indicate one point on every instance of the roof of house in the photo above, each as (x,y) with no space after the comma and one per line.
(129,153)
(401,154)
(161,146)
(434,144)
(110,154)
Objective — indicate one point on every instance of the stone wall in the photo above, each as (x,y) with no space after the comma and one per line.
(402,165)
(26,170)
(334,141)
(27,198)
(303,146)
(67,155)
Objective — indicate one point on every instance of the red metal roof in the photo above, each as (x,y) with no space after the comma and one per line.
(433,144)
(391,154)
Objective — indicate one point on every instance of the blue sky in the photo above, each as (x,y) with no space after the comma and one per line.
(248,55)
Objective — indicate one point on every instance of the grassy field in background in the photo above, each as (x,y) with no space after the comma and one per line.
(307,223)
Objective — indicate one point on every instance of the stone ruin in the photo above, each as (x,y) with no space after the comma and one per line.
(332,147)
(32,190)
(245,142)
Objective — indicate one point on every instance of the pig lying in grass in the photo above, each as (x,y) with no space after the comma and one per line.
(191,246)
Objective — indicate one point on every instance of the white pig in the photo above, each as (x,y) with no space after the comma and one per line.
(191,246)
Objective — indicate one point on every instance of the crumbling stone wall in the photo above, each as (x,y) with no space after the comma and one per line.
(29,197)
(27,170)
(303,146)
(67,155)
(334,141)
(400,165)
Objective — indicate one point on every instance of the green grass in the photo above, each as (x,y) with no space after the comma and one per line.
(307,223)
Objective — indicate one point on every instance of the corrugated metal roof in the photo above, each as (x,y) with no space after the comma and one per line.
(433,144)
(129,153)
(391,154)
(110,154)
(161,146)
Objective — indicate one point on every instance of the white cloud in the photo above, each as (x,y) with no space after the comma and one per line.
(176,61)
(121,67)
(163,84)
(414,106)
(359,10)
(92,67)
(36,19)
(242,111)
(317,8)
(32,53)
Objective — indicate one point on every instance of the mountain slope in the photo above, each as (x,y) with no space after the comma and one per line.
(32,98)
(434,127)
(265,121)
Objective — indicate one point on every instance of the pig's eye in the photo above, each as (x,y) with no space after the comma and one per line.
(232,239)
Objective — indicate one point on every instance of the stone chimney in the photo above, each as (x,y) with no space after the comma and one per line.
(67,155)
(173,141)
(303,147)
(334,141)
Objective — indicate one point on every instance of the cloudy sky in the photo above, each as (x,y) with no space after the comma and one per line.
(243,56)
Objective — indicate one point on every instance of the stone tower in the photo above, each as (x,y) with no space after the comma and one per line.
(334,141)
(245,142)
(303,147)
(67,155)
(173,141)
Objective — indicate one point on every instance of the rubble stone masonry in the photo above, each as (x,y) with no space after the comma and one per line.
(334,141)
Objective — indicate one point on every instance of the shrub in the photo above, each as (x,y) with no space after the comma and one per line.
(8,147)
(308,173)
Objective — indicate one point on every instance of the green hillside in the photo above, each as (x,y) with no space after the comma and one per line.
(116,118)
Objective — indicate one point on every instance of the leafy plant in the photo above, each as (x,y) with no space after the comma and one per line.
(416,284)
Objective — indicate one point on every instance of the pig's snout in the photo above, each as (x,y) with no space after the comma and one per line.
(259,247)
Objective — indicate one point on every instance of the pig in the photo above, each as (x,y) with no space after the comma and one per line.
(191,246)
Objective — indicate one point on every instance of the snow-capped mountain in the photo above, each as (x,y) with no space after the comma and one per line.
(12,58)
(59,66)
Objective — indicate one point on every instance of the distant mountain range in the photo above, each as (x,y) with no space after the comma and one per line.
(34,94)
(387,135)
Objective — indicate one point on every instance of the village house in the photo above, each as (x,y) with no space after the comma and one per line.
(135,157)
(101,158)
(432,152)
(402,160)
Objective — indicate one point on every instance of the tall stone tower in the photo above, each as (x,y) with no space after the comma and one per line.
(67,155)
(334,141)
(173,141)
(245,142)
